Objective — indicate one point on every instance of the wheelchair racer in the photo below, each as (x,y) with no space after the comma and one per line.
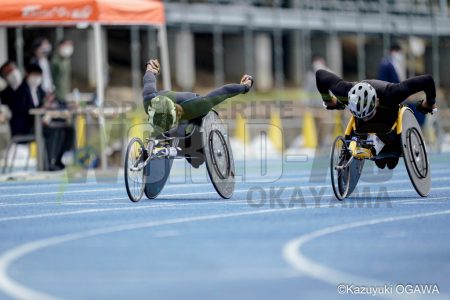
(375,103)
(167,109)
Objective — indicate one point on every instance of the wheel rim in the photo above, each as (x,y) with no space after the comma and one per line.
(340,179)
(219,154)
(417,153)
(135,178)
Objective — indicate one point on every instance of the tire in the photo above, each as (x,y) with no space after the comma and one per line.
(415,154)
(218,155)
(134,180)
(340,179)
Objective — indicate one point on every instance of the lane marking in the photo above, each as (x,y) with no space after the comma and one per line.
(155,206)
(20,291)
(195,184)
(17,290)
(185,194)
(293,255)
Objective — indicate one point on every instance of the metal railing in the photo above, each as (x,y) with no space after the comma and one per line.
(393,7)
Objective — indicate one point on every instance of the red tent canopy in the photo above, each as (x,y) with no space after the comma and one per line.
(52,12)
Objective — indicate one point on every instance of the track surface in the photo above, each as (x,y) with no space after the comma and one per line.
(88,241)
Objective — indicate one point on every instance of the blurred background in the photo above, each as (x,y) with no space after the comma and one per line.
(210,43)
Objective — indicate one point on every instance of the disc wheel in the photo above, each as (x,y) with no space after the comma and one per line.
(219,154)
(133,170)
(340,178)
(417,153)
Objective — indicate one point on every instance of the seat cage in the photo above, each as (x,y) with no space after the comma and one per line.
(361,148)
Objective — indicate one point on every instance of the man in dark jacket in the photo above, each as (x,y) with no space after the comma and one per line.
(27,95)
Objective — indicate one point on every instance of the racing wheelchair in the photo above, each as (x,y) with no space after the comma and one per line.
(204,140)
(405,139)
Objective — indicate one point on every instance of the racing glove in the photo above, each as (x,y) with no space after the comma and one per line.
(424,110)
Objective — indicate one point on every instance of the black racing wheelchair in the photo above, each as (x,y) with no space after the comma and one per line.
(403,139)
(204,140)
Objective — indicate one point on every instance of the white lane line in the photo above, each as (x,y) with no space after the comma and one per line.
(66,192)
(189,181)
(150,206)
(305,180)
(62,202)
(20,291)
(285,176)
(101,210)
(293,255)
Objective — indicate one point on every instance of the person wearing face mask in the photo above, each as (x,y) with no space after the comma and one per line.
(58,135)
(11,74)
(13,77)
(28,95)
(61,69)
(41,50)
(391,67)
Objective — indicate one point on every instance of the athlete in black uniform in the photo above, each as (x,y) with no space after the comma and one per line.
(375,103)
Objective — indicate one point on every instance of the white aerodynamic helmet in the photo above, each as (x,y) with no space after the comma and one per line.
(362,100)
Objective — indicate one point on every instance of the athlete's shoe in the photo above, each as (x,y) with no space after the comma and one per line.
(247,80)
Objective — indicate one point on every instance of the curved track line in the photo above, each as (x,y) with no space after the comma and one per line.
(19,291)
(293,255)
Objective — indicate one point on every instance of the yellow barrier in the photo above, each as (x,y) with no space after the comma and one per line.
(309,131)
(80,124)
(33,150)
(240,131)
(275,133)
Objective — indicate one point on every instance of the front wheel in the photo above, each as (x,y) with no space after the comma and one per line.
(340,175)
(134,169)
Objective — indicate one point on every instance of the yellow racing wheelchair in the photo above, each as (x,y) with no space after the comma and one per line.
(403,139)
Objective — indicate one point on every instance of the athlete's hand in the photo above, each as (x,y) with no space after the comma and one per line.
(425,108)
(153,66)
(334,104)
(247,80)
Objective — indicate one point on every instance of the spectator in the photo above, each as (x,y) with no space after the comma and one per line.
(391,67)
(20,98)
(41,50)
(61,69)
(5,116)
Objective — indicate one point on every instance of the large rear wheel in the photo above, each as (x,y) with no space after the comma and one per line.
(340,173)
(134,169)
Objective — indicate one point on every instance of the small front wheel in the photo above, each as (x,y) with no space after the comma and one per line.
(340,172)
(134,169)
